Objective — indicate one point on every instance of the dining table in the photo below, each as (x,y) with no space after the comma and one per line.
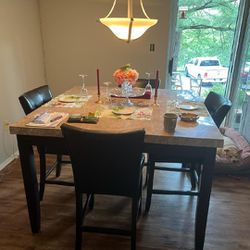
(190,140)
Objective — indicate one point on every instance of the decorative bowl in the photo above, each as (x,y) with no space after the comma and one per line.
(189,117)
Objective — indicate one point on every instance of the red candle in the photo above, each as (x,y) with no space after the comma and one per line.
(156,83)
(98,82)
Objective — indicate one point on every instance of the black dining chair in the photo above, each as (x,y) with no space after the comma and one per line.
(105,163)
(141,83)
(35,98)
(30,101)
(218,107)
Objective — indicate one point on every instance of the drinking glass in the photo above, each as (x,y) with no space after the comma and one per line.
(84,91)
(148,87)
(107,84)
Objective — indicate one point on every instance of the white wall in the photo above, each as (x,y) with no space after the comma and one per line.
(21,63)
(76,43)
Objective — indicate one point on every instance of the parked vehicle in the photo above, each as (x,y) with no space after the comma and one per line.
(206,69)
(245,73)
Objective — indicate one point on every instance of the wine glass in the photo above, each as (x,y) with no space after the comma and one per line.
(148,87)
(107,84)
(148,77)
(84,91)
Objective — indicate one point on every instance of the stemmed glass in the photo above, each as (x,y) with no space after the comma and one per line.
(84,91)
(148,87)
(107,84)
(148,77)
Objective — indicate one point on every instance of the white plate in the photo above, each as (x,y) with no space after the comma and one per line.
(187,107)
(71,98)
(124,111)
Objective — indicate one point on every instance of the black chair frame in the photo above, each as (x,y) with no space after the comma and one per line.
(30,101)
(218,107)
(105,163)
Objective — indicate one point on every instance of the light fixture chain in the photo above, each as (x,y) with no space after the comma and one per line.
(143,10)
(130,29)
(130,8)
(111,10)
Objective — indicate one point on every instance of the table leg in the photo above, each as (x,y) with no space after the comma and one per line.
(203,199)
(30,182)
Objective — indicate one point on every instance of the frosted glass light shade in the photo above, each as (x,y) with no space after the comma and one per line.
(121,26)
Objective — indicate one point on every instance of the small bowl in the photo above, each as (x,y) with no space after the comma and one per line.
(189,117)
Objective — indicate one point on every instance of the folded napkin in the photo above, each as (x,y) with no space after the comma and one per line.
(47,119)
(42,118)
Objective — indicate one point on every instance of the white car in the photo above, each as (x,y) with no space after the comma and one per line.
(245,73)
(206,69)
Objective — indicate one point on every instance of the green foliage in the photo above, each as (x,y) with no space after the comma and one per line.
(208,29)
(220,89)
(217,88)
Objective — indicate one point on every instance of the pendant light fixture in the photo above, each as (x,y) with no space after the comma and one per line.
(128,28)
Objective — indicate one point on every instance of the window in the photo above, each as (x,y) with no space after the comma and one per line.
(210,63)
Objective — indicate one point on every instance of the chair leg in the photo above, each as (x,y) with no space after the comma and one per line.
(91,201)
(139,201)
(79,214)
(146,175)
(192,176)
(151,166)
(58,165)
(133,222)
(42,159)
(198,170)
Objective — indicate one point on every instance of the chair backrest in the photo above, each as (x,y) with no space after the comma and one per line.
(103,162)
(217,106)
(34,98)
(176,81)
(141,82)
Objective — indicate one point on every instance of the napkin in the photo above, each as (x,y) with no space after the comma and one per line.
(42,118)
(47,119)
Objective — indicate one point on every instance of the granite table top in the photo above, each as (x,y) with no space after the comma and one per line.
(202,133)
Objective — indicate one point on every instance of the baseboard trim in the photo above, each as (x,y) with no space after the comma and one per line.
(9,160)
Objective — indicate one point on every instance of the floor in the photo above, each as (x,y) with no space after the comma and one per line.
(169,224)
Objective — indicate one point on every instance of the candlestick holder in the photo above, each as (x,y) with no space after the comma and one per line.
(99,101)
(155,102)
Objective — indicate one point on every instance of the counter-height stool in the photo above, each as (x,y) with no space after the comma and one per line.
(218,107)
(105,163)
(30,101)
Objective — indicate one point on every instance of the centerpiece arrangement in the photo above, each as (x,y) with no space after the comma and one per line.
(125,74)
(125,77)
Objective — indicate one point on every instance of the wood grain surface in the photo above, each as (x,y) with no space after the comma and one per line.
(168,226)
